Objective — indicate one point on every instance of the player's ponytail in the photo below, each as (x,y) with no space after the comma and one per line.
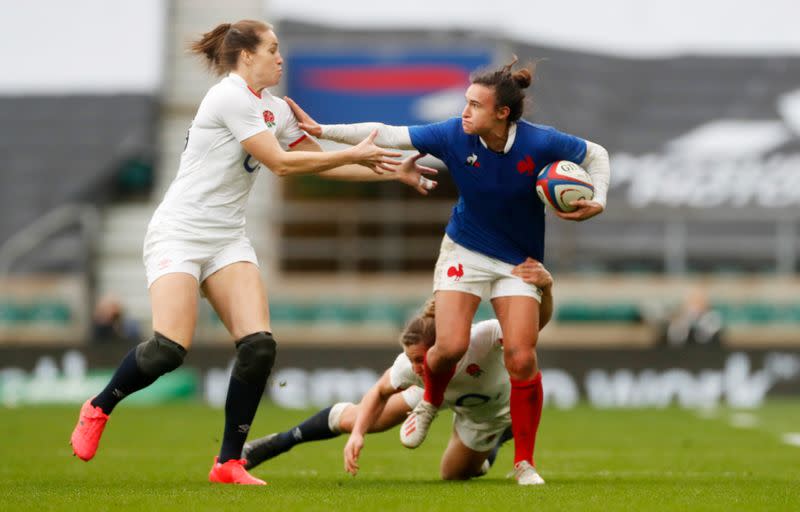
(421,328)
(223,44)
(429,309)
(210,43)
(509,86)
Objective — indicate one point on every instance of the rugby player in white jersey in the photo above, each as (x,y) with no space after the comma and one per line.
(196,240)
(479,394)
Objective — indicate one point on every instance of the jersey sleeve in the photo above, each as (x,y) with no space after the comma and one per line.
(486,334)
(433,139)
(401,374)
(289,133)
(238,113)
(563,146)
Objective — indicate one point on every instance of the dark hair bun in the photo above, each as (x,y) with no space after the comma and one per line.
(522,78)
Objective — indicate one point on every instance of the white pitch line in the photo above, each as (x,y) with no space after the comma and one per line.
(792,438)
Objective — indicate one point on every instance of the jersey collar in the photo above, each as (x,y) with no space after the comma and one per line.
(239,80)
(512,134)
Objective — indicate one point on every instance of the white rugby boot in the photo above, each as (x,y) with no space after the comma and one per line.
(526,474)
(415,428)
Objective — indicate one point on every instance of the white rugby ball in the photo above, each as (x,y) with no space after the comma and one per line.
(561,182)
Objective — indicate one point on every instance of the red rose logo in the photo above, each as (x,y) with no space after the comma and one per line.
(474,370)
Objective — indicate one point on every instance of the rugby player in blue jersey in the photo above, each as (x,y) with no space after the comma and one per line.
(494,157)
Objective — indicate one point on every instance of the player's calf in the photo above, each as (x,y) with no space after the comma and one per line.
(255,357)
(325,424)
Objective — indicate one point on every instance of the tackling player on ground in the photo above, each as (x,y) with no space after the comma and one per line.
(478,394)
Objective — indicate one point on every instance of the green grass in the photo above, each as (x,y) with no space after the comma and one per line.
(155,458)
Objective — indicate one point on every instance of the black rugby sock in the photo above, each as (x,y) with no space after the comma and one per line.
(314,428)
(240,408)
(127,379)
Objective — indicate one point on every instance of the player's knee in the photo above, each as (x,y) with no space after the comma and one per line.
(520,363)
(450,350)
(159,355)
(255,357)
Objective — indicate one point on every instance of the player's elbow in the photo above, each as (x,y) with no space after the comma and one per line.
(595,152)
(280,171)
(279,167)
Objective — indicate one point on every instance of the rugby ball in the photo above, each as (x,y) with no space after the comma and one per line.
(561,182)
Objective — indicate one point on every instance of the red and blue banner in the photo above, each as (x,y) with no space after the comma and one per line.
(401,87)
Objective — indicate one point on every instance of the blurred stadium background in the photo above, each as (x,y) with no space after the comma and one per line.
(685,291)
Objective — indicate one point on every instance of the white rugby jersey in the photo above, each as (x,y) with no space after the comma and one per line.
(480,388)
(207,198)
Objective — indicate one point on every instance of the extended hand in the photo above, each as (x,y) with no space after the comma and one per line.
(375,157)
(586,210)
(412,174)
(533,272)
(352,450)
(304,121)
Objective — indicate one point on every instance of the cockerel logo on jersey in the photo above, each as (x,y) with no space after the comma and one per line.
(456,273)
(472,160)
(526,166)
(473,370)
(269,118)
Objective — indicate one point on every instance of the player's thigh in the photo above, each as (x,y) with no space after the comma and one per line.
(460,462)
(239,298)
(173,300)
(519,321)
(454,314)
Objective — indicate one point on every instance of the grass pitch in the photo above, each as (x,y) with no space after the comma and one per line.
(157,458)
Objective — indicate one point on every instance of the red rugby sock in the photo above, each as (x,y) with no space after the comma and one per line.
(436,383)
(526,411)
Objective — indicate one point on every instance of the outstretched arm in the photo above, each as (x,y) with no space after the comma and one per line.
(388,136)
(265,148)
(370,409)
(409,172)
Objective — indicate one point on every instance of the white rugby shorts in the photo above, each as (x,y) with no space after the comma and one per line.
(200,259)
(462,270)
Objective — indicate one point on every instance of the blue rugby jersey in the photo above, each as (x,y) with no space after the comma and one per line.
(498,212)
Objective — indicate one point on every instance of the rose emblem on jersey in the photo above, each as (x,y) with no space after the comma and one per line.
(269,118)
(473,370)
